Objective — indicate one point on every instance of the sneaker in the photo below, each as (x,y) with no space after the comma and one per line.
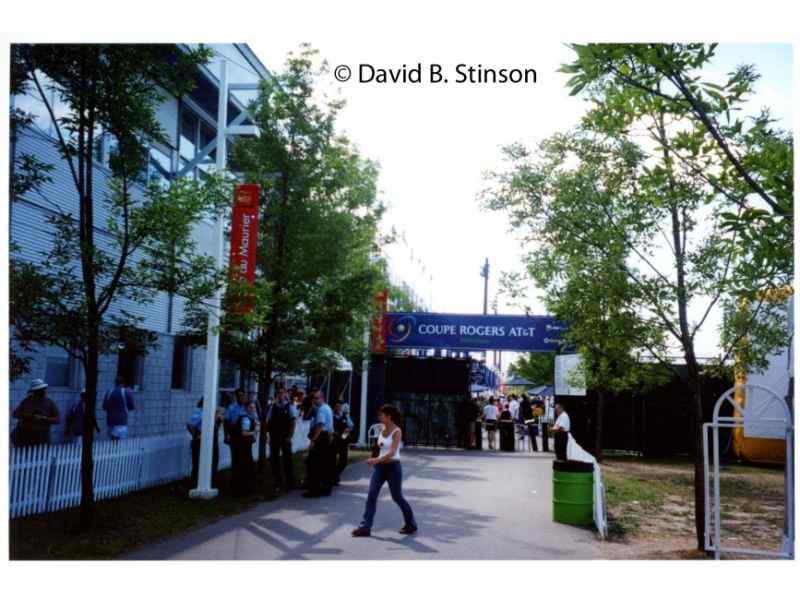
(406,530)
(360,532)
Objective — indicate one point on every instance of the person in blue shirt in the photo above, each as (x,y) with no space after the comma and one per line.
(117,403)
(75,420)
(234,412)
(320,453)
(342,427)
(243,435)
(236,409)
(195,426)
(281,417)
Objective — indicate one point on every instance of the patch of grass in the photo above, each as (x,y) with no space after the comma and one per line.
(128,522)
(652,499)
(630,499)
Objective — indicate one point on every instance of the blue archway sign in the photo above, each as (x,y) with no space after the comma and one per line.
(473,332)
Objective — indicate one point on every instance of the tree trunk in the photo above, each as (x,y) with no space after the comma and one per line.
(264,384)
(598,425)
(271,334)
(87,458)
(696,402)
(687,342)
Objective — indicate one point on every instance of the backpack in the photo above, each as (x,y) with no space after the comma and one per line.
(75,418)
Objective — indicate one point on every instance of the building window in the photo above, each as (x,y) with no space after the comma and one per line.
(228,374)
(159,169)
(189,132)
(130,366)
(207,135)
(60,367)
(181,365)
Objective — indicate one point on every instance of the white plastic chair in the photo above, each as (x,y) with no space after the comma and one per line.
(373,432)
(521,433)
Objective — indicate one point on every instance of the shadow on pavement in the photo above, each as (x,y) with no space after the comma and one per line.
(279,525)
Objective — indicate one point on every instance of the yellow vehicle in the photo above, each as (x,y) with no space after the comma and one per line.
(754,449)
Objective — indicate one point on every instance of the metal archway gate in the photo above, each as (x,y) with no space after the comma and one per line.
(783,424)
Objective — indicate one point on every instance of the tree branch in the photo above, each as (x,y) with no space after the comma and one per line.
(65,148)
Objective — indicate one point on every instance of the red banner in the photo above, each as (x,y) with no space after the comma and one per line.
(244,233)
(378,337)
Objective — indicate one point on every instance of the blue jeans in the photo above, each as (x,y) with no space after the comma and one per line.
(393,473)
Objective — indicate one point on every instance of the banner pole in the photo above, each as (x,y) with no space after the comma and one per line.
(207,432)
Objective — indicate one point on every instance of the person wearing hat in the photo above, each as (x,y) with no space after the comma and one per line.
(35,415)
(74,420)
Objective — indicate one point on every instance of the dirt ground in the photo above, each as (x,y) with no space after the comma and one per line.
(651,508)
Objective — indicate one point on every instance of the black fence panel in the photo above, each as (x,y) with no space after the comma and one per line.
(426,390)
(656,423)
(428,419)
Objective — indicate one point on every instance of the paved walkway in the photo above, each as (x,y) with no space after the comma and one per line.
(469,505)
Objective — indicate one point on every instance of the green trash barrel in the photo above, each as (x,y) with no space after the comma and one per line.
(573,484)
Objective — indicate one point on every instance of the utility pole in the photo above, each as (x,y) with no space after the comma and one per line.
(485,275)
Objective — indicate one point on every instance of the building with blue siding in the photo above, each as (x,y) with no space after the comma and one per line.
(168,380)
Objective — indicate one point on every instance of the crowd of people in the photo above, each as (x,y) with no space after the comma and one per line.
(523,414)
(37,414)
(330,434)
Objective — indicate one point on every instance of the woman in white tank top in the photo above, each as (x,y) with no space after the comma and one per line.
(387,467)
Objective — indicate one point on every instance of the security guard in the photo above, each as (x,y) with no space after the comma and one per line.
(281,419)
(234,411)
(342,426)
(320,467)
(243,435)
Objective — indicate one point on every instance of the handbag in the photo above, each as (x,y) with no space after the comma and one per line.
(17,436)
(375,450)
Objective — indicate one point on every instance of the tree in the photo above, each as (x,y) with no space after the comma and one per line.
(318,230)
(640,215)
(744,160)
(70,297)
(740,167)
(586,286)
(538,367)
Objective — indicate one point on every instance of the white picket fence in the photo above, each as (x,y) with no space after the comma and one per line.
(47,478)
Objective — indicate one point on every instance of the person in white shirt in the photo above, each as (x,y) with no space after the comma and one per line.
(490,419)
(561,432)
(513,407)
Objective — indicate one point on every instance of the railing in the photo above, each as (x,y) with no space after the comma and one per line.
(48,478)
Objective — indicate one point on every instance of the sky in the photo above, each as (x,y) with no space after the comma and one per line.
(434,143)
